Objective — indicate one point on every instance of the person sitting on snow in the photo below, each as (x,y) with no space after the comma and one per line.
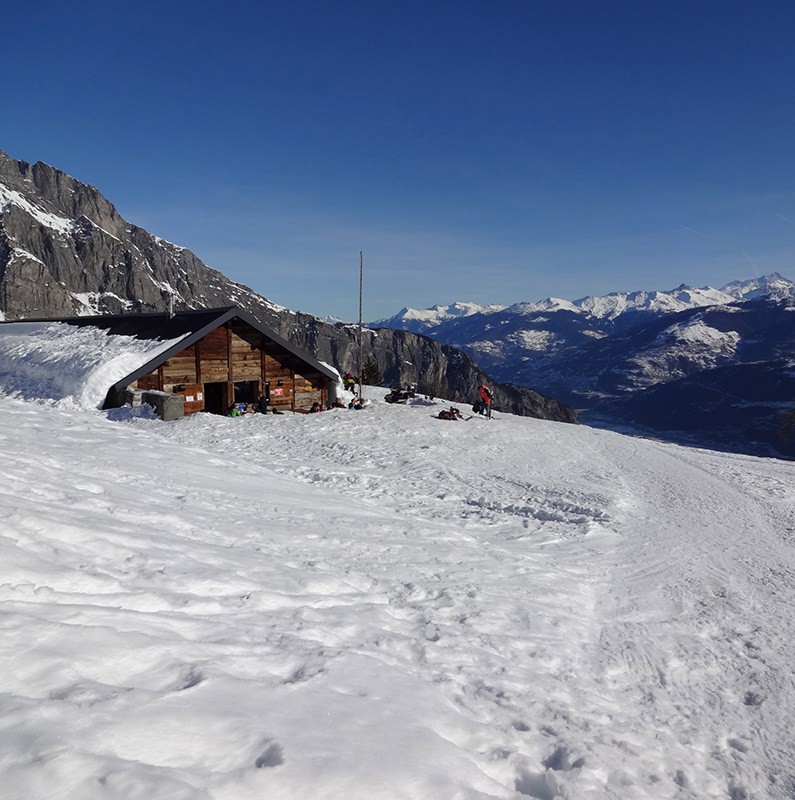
(453,413)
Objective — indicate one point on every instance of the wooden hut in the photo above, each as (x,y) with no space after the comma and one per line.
(220,357)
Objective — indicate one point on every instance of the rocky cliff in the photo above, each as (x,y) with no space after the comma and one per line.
(66,251)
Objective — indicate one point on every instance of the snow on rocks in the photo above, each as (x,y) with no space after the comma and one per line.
(376,604)
(9,197)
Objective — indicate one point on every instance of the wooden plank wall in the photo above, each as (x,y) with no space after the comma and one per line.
(214,357)
(246,348)
(308,389)
(180,368)
(234,353)
(194,397)
(148,383)
(282,384)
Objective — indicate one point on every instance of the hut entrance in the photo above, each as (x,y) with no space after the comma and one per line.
(246,391)
(215,398)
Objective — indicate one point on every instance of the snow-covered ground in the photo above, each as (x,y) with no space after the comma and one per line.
(370,605)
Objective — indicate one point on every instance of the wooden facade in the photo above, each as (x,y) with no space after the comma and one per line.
(212,358)
(234,363)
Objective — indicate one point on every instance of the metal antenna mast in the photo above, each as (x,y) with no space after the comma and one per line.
(361,283)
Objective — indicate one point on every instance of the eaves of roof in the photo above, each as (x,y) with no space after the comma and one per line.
(187,327)
(224,315)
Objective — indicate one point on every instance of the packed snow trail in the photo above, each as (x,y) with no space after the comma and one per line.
(727,563)
(379,604)
(641,498)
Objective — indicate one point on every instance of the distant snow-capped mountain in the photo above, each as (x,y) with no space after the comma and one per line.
(420,321)
(613,305)
(772,286)
(605,307)
(596,353)
(513,341)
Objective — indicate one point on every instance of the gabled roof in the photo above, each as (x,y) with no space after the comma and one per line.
(187,327)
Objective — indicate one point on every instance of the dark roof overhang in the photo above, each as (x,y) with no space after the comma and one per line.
(189,326)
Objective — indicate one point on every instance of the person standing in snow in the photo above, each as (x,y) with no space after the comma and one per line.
(486,398)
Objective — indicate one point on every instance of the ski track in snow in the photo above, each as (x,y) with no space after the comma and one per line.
(379,604)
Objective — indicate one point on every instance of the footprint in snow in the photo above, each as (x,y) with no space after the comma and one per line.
(271,756)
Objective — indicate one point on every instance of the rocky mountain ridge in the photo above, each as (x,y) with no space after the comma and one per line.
(66,251)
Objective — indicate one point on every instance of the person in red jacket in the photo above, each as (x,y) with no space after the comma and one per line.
(485,397)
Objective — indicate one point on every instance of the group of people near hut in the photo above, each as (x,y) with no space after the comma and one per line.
(258,407)
(356,403)
(261,406)
(482,404)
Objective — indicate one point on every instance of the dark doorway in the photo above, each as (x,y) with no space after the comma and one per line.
(246,392)
(215,398)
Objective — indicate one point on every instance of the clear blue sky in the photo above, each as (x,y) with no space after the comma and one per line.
(494,151)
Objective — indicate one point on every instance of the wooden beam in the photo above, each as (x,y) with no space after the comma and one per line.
(230,385)
(196,350)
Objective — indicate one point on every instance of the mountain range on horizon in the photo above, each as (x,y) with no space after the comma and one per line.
(609,306)
(702,365)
